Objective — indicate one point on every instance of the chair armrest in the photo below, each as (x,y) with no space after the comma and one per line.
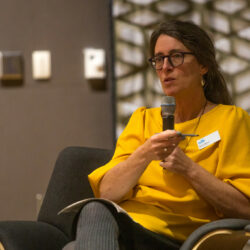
(247,228)
(30,235)
(232,224)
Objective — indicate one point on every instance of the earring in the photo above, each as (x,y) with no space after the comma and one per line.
(202,82)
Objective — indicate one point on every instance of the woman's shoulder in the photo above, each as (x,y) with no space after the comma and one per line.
(154,110)
(149,117)
(147,111)
(232,109)
(231,113)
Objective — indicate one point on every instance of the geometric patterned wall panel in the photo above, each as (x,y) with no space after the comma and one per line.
(227,22)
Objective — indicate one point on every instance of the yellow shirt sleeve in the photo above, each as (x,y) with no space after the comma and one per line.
(130,139)
(234,151)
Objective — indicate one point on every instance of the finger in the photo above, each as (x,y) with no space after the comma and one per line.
(169,147)
(175,141)
(164,164)
(166,135)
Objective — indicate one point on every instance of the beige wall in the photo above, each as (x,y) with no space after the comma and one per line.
(39,119)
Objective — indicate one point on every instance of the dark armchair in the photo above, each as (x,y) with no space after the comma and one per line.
(68,184)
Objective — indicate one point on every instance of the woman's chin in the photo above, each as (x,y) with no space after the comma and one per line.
(170,92)
(169,89)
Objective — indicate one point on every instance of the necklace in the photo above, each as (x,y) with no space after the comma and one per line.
(196,126)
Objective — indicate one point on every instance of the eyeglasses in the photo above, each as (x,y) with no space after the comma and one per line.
(175,59)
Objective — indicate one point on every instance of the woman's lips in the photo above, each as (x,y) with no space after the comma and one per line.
(169,80)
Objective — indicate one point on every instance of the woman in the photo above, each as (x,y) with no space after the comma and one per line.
(169,185)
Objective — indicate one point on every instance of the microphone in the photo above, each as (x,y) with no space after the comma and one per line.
(167,112)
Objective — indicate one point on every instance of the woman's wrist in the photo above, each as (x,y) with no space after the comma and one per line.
(192,171)
(143,154)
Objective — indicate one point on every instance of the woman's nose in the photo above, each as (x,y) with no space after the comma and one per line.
(166,64)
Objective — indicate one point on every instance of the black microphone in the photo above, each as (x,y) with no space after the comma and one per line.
(167,112)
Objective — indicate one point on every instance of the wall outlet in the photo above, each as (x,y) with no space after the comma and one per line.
(94,63)
(41,64)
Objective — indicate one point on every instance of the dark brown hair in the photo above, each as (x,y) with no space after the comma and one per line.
(197,40)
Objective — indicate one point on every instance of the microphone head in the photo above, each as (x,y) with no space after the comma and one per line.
(167,106)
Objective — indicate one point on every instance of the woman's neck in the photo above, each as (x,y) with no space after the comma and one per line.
(190,108)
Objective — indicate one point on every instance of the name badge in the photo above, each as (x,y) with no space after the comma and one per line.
(208,140)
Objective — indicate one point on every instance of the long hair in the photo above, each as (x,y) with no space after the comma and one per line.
(197,41)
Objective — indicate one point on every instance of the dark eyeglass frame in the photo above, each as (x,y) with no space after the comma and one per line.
(152,59)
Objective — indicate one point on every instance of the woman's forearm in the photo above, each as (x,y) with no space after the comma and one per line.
(226,199)
(119,180)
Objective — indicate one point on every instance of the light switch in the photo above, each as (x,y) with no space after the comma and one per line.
(94,63)
(41,64)
(11,65)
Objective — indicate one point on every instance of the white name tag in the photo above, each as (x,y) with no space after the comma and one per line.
(208,140)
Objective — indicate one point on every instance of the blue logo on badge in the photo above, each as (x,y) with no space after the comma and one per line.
(201,141)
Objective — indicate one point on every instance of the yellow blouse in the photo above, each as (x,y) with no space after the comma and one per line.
(163,201)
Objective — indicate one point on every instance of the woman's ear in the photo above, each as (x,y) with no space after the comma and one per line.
(203,70)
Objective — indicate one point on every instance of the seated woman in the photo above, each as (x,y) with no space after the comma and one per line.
(170,185)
